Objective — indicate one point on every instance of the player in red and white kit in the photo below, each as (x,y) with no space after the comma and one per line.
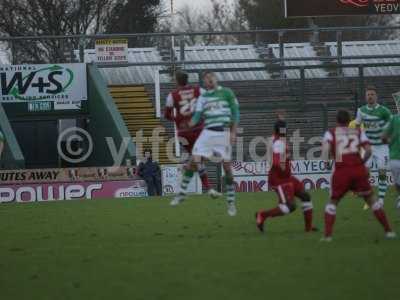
(288,187)
(179,108)
(344,145)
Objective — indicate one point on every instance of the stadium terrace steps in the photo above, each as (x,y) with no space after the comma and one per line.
(138,112)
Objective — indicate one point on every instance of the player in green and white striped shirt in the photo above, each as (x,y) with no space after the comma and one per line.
(392,135)
(219,109)
(375,119)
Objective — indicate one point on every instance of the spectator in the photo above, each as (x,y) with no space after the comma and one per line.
(151,173)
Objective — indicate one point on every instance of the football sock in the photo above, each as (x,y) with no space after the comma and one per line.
(187,176)
(230,189)
(272,213)
(330,218)
(382,184)
(380,215)
(204,178)
(308,215)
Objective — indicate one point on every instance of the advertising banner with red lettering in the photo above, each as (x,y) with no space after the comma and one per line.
(315,8)
(112,51)
(252,176)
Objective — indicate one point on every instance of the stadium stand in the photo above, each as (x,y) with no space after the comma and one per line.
(138,112)
(214,53)
(259,101)
(369,48)
(130,75)
(145,74)
(308,102)
(299,50)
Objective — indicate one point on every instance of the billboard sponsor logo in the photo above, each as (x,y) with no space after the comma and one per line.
(380,6)
(44,87)
(387,7)
(316,183)
(357,3)
(313,8)
(168,189)
(48,82)
(133,191)
(48,192)
(244,186)
(38,175)
(171,176)
(67,175)
(311,166)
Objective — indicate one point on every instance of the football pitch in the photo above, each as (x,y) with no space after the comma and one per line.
(144,249)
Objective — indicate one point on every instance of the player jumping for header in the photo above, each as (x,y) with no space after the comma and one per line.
(344,145)
(179,108)
(288,187)
(219,109)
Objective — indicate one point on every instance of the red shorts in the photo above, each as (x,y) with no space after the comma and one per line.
(346,179)
(287,188)
(188,139)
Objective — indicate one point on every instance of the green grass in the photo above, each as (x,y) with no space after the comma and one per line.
(144,249)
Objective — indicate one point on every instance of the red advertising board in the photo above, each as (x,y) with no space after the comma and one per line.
(58,191)
(37,185)
(318,8)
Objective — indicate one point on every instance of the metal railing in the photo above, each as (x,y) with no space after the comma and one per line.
(303,104)
(81,42)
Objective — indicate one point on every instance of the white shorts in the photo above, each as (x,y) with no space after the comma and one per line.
(395,167)
(379,157)
(213,145)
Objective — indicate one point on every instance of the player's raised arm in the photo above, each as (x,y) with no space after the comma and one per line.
(366,146)
(198,111)
(235,112)
(279,155)
(327,146)
(358,120)
(169,108)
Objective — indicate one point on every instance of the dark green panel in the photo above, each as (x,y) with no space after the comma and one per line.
(19,110)
(105,121)
(12,157)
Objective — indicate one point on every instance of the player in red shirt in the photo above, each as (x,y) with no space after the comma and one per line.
(179,108)
(344,145)
(287,186)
